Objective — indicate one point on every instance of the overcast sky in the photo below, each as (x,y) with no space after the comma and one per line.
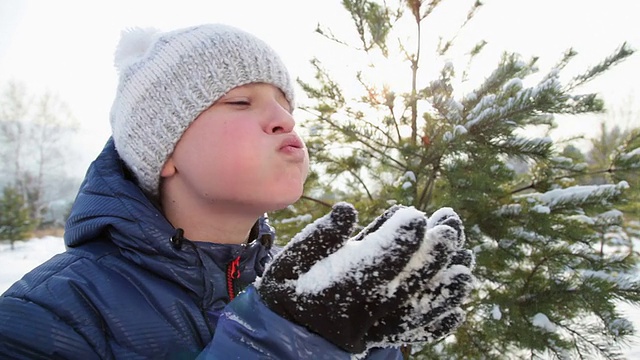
(66,47)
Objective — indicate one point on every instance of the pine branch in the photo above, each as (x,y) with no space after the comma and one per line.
(528,101)
(510,67)
(364,185)
(425,195)
(527,281)
(317,201)
(328,34)
(566,58)
(601,348)
(431,6)
(385,134)
(534,184)
(442,50)
(395,121)
(525,147)
(389,99)
(360,139)
(623,52)
(413,99)
(477,48)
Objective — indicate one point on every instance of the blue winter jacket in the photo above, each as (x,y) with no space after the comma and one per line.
(130,287)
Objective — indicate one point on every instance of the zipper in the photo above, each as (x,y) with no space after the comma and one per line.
(233,273)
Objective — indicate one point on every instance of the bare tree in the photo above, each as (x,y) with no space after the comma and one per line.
(14,105)
(34,135)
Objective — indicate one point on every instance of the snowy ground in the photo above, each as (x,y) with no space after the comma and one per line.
(29,254)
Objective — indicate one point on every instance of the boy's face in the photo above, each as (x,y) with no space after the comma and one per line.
(242,152)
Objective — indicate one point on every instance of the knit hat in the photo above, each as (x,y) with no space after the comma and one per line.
(168,79)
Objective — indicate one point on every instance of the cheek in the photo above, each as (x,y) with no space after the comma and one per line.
(230,162)
(236,163)
(198,152)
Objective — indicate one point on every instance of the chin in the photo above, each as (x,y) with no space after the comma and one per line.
(286,201)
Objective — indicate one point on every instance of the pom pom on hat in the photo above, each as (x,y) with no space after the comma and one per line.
(134,43)
(168,79)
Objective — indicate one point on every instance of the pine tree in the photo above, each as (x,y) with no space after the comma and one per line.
(553,258)
(15,219)
(615,157)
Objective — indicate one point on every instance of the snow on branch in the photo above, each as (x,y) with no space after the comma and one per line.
(621,281)
(580,194)
(631,154)
(629,160)
(527,145)
(493,108)
(510,67)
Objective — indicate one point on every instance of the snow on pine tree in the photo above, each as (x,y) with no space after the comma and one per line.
(554,255)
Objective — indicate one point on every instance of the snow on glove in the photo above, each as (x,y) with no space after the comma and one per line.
(339,287)
(439,280)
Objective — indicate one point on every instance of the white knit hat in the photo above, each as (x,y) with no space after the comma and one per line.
(168,79)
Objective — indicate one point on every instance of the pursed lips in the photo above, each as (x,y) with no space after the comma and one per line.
(293,145)
(292,141)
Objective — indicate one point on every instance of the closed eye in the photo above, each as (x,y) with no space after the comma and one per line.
(239,103)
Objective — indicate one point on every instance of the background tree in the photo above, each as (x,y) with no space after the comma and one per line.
(15,220)
(553,256)
(613,157)
(35,132)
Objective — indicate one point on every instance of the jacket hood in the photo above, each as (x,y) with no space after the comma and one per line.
(109,201)
(111,206)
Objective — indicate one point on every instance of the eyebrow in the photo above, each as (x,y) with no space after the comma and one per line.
(280,95)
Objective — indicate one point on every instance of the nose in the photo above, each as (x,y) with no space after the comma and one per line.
(281,121)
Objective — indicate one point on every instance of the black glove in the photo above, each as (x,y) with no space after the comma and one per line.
(338,288)
(438,288)
(376,289)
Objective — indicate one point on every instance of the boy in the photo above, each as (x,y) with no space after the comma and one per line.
(166,230)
